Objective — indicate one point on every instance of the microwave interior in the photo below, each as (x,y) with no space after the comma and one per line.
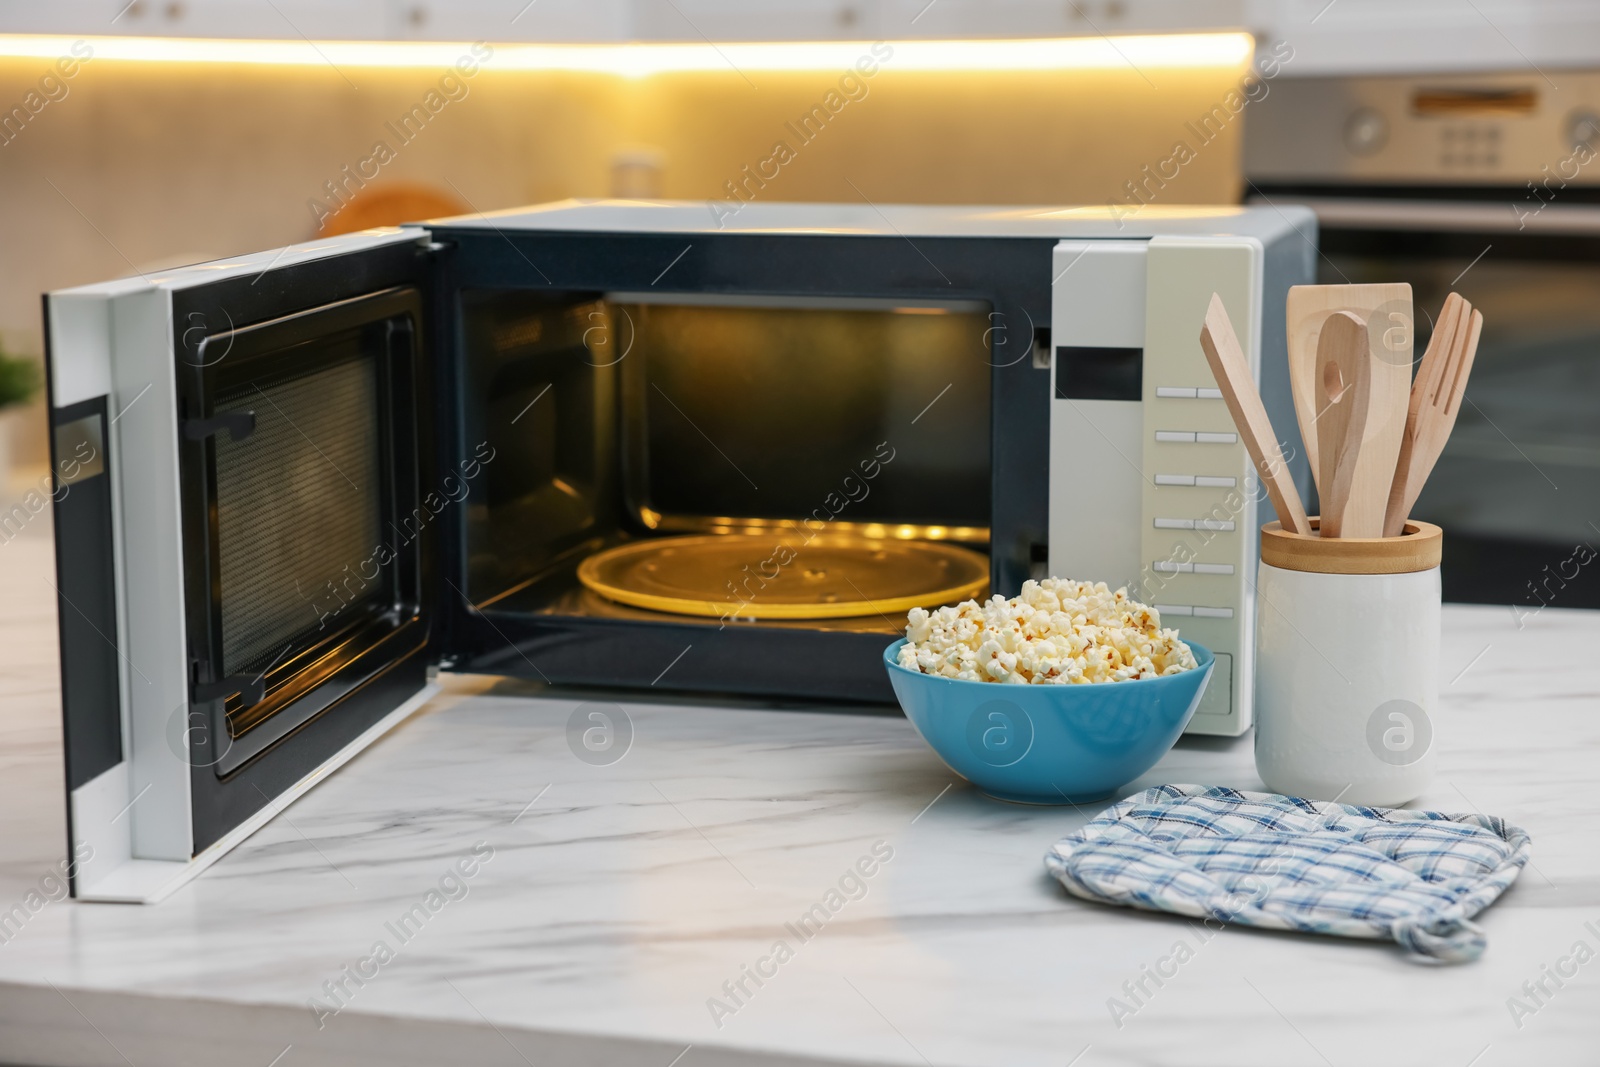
(610,418)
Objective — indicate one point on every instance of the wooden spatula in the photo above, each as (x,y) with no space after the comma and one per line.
(1435,402)
(1387,310)
(1344,395)
(1238,385)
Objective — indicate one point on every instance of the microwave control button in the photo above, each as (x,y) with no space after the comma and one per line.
(1213,568)
(1366,131)
(1583,130)
(1175,437)
(1174,524)
(1216,438)
(1211,481)
(1214,525)
(1175,392)
(1169,566)
(1173,609)
(1213,613)
(1175,479)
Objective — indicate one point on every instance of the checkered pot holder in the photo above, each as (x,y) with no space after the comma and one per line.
(1284,863)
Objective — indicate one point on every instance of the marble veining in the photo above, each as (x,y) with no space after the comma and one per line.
(620,905)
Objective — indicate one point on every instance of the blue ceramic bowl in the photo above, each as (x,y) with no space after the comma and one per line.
(1050,744)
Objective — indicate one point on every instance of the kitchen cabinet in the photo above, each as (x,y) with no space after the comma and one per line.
(494,20)
(615,20)
(1344,36)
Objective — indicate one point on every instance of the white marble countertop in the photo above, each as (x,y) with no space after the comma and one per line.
(620,898)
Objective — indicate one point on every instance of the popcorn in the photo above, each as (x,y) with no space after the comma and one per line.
(1057,632)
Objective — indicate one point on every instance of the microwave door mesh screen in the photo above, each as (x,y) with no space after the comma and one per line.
(299,513)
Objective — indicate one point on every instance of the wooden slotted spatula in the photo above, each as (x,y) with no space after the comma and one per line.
(1387,310)
(1435,403)
(1344,394)
(1232,371)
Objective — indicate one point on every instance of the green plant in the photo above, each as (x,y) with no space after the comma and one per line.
(19,379)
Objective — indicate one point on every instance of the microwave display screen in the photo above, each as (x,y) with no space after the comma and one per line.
(299,510)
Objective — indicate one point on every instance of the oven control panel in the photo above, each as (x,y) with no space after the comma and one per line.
(1150,486)
(1511,129)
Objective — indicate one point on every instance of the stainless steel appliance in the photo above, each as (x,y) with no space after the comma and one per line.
(524,444)
(1489,184)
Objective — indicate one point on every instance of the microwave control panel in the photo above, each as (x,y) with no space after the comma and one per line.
(1150,486)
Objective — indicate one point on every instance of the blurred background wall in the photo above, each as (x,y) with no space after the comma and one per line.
(145,165)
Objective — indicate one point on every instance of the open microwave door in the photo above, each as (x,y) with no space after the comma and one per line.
(242,562)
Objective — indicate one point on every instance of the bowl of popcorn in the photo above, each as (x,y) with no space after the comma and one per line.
(1060,695)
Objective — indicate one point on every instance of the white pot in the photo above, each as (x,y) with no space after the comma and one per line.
(1347,665)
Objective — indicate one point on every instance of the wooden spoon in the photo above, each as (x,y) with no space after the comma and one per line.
(1435,403)
(1344,395)
(1238,385)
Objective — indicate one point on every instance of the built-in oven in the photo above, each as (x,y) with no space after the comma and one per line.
(1488,185)
(618,445)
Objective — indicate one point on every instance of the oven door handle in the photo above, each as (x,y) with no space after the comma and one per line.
(251,690)
(1535,218)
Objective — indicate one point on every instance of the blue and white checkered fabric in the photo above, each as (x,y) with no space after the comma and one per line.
(1260,859)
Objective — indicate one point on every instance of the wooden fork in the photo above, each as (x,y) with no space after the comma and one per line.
(1435,402)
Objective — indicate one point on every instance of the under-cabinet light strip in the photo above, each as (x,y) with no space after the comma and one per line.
(1133,53)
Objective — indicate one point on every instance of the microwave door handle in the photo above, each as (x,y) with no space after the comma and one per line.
(239,424)
(399,335)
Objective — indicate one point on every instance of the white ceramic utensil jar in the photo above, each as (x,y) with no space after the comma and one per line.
(1347,664)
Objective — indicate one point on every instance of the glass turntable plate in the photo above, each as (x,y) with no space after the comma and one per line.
(755,577)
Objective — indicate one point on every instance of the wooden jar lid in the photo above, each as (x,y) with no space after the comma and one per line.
(1416,549)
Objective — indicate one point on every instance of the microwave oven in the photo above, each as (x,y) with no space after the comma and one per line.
(623,444)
